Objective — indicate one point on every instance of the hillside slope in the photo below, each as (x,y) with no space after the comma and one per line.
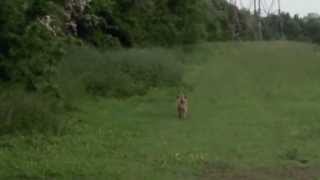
(254,114)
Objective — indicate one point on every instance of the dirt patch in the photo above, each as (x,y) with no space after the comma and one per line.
(283,173)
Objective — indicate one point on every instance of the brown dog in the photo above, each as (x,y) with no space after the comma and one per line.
(182,106)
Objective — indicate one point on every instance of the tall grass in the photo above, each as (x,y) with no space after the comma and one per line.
(22,112)
(88,72)
(120,73)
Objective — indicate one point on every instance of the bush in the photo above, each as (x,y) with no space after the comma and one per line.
(22,112)
(113,85)
(153,67)
(121,73)
(29,52)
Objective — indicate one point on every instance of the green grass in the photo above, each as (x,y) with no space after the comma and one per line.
(254,105)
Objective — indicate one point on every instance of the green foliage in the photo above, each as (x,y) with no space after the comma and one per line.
(119,73)
(36,57)
(154,67)
(29,52)
(216,20)
(38,8)
(312,29)
(292,27)
(22,112)
(146,22)
(11,21)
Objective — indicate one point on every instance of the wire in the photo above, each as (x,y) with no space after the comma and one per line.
(268,8)
(247,5)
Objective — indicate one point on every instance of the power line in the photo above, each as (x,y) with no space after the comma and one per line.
(268,8)
(260,8)
(263,8)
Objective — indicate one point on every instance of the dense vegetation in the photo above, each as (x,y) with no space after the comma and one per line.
(44,43)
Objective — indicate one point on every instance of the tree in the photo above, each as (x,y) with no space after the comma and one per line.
(28,52)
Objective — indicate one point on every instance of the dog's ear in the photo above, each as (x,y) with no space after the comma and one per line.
(185,97)
(178,97)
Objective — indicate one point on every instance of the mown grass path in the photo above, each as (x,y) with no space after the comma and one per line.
(254,115)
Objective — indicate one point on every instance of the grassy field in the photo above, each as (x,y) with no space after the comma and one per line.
(255,114)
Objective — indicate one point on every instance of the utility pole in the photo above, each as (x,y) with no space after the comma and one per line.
(279,7)
(255,8)
(261,9)
(256,19)
(259,21)
(280,19)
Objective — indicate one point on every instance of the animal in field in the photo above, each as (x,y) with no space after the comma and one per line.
(182,106)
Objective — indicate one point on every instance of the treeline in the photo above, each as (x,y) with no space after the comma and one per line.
(130,23)
(292,28)
(39,72)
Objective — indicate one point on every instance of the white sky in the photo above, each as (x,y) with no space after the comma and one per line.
(301,7)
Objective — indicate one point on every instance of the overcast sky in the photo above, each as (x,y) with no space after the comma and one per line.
(301,7)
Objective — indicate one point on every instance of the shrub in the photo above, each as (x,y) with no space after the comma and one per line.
(153,67)
(113,85)
(22,112)
(28,51)
(121,73)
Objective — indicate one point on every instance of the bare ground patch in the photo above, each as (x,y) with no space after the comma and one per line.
(281,173)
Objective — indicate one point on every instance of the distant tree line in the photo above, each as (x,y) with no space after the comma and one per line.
(292,28)
(29,51)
